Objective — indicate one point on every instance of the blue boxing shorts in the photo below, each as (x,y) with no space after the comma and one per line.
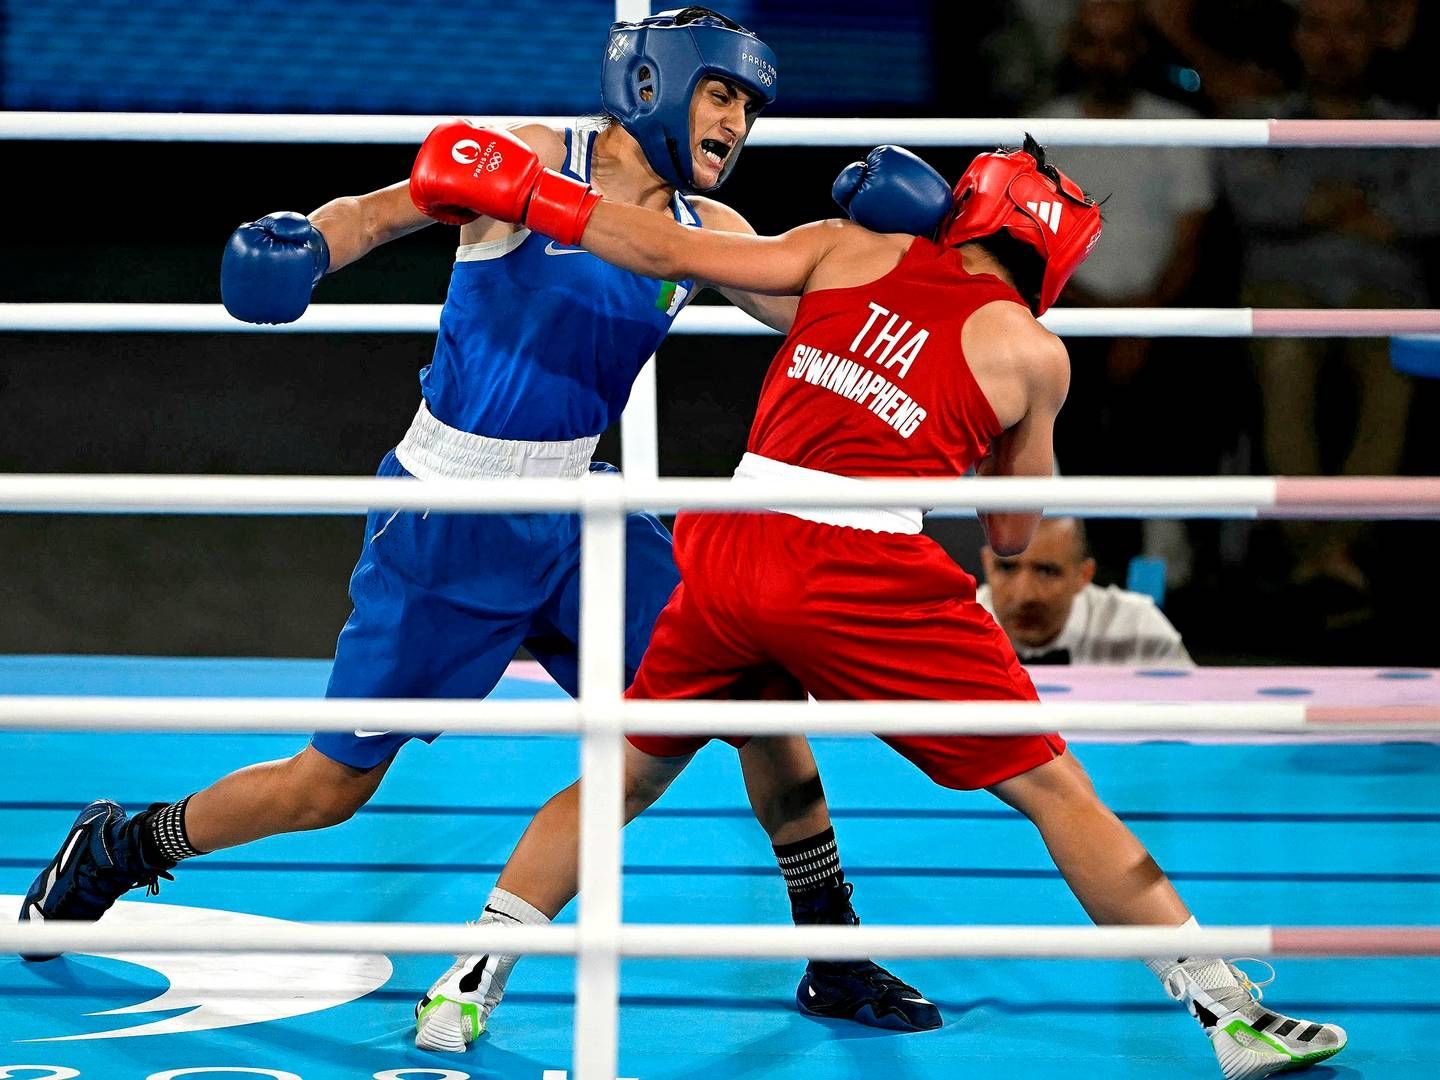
(443,601)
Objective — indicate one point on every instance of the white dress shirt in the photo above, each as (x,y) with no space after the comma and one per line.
(1108,625)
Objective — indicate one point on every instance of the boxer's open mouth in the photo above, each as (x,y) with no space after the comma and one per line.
(715,151)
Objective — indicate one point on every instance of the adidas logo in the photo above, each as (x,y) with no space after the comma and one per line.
(1048,212)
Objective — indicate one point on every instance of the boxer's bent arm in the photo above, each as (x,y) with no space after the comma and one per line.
(648,243)
(1028,448)
(355,225)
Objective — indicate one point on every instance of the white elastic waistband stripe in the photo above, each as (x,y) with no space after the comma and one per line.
(880,519)
(432,450)
(491,249)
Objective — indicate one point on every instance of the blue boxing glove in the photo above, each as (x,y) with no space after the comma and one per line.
(893,191)
(270,266)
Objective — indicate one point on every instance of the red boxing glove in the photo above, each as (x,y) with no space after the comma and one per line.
(560,207)
(463,171)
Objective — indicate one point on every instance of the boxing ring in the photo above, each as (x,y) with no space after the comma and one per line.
(1298,811)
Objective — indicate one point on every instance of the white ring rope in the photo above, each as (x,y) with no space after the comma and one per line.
(600,714)
(416,715)
(772,131)
(709,940)
(720,319)
(1312,498)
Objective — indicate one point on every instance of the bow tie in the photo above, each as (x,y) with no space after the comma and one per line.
(1051,656)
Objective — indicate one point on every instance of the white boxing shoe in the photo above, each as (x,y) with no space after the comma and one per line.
(1249,1040)
(457,1008)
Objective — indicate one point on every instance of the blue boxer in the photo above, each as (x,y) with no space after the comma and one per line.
(538,348)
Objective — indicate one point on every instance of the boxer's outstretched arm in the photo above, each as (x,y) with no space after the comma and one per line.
(647,243)
(464,171)
(776,312)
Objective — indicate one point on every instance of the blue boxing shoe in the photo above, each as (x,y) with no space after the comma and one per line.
(100,860)
(856,990)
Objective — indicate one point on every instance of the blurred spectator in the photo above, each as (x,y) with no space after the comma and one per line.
(1049,20)
(1239,48)
(998,58)
(1158,196)
(1332,228)
(1046,603)
(1409,38)
(1157,201)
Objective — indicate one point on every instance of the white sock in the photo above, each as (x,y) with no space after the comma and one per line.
(505,906)
(1209,972)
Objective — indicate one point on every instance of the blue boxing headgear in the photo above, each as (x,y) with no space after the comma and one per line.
(667,55)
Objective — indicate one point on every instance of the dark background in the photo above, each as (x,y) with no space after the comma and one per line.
(138,222)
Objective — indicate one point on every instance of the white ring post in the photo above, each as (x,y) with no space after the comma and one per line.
(640,425)
(602,684)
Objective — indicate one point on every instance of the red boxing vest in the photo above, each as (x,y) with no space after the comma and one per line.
(872,380)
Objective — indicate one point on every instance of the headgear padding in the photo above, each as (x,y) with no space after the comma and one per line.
(667,55)
(1016,192)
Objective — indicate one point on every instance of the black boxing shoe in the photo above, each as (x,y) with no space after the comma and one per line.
(857,990)
(866,993)
(100,860)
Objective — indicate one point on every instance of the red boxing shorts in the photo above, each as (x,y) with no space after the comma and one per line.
(772,606)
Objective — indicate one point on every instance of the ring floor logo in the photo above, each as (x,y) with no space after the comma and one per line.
(62,1072)
(221,990)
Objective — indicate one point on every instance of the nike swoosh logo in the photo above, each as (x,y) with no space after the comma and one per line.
(551,249)
(369,734)
(918,1001)
(470,982)
(70,846)
(810,990)
(61,862)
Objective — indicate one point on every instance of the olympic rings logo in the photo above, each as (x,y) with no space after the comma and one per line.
(764,70)
(493,163)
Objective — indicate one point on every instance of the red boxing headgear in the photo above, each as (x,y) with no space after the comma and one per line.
(1037,204)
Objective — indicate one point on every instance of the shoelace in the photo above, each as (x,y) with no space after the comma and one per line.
(152,883)
(820,901)
(868,972)
(1255,989)
(883,980)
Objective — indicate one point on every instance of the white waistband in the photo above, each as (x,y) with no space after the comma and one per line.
(879,519)
(435,451)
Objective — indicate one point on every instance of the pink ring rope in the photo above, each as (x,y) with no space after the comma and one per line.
(1311,322)
(1370,497)
(1350,133)
(1362,716)
(1356,941)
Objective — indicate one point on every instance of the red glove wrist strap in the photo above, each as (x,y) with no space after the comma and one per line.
(560,206)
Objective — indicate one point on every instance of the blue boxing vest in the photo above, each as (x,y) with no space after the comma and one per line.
(539,341)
